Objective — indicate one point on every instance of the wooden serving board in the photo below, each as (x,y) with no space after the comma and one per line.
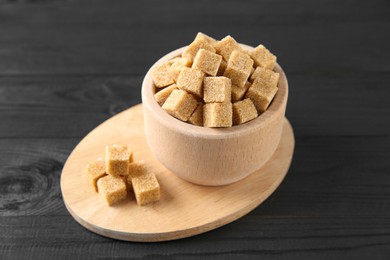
(185,209)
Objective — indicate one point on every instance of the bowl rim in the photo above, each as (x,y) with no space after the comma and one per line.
(279,102)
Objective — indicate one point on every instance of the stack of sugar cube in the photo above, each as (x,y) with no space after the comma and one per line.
(116,176)
(216,83)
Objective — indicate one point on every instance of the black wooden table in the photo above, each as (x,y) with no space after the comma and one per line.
(67,66)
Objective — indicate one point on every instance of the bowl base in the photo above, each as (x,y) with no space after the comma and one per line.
(185,209)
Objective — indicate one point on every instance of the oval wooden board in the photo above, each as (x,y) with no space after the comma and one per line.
(184,210)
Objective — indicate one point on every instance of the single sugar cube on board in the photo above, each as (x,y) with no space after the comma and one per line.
(197,116)
(216,89)
(163,94)
(94,172)
(238,93)
(222,68)
(160,75)
(267,76)
(261,94)
(263,57)
(191,81)
(243,111)
(207,38)
(192,49)
(217,115)
(117,160)
(146,188)
(207,61)
(135,168)
(180,104)
(239,68)
(112,189)
(176,67)
(226,46)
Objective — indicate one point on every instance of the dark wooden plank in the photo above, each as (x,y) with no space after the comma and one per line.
(334,105)
(248,238)
(61,106)
(95,37)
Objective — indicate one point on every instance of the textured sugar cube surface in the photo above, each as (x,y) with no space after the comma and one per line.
(222,68)
(267,76)
(238,93)
(217,115)
(240,60)
(191,81)
(180,104)
(163,94)
(112,189)
(94,172)
(226,46)
(239,68)
(160,75)
(137,168)
(207,38)
(192,49)
(243,111)
(216,89)
(197,116)
(207,62)
(117,160)
(146,188)
(261,94)
(263,57)
(238,77)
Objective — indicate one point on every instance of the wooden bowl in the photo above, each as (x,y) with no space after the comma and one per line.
(212,156)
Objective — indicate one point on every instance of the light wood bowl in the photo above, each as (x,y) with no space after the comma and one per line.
(212,156)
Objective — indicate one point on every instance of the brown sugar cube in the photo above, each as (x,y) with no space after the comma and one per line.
(112,189)
(180,104)
(238,93)
(117,160)
(163,94)
(240,60)
(263,57)
(192,49)
(180,60)
(197,117)
(191,81)
(216,89)
(239,68)
(146,188)
(217,115)
(207,38)
(268,76)
(243,111)
(238,77)
(222,68)
(137,168)
(94,172)
(261,94)
(160,75)
(226,46)
(177,66)
(207,61)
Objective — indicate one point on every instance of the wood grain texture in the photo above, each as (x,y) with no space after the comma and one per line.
(67,66)
(184,209)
